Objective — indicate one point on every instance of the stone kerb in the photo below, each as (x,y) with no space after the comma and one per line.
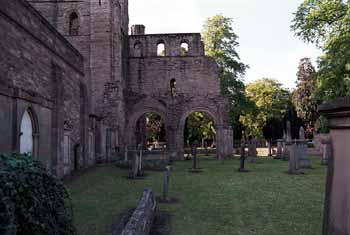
(142,219)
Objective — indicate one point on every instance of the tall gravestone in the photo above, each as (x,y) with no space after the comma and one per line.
(242,158)
(337,202)
(279,149)
(252,150)
(327,151)
(304,160)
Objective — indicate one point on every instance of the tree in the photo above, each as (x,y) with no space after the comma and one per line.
(155,127)
(327,24)
(303,100)
(220,43)
(265,116)
(199,127)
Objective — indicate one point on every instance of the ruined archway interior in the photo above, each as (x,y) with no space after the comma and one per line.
(200,130)
(150,132)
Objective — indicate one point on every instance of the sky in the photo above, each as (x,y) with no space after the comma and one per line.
(267,44)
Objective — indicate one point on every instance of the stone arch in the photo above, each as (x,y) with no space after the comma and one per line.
(214,114)
(184,47)
(143,107)
(29,132)
(161,48)
(72,22)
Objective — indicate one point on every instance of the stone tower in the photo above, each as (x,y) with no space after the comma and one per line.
(99,30)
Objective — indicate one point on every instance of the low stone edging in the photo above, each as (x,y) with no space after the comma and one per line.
(141,221)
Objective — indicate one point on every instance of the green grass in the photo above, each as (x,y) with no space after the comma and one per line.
(218,201)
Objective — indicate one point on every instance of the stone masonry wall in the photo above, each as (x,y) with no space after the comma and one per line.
(42,71)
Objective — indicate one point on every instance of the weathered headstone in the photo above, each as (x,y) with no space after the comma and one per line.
(135,166)
(327,151)
(252,150)
(166,183)
(279,149)
(304,160)
(242,158)
(293,166)
(269,146)
(301,133)
(194,155)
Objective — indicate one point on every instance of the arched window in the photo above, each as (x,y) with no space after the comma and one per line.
(184,48)
(173,87)
(161,48)
(138,49)
(73,24)
(27,133)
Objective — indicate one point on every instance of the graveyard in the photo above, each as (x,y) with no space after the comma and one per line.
(266,200)
(197,123)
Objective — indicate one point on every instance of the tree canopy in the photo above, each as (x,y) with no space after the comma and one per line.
(268,104)
(327,24)
(221,43)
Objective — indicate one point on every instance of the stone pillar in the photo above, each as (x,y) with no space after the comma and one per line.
(224,143)
(337,202)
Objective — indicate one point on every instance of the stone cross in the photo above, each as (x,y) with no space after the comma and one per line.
(166,183)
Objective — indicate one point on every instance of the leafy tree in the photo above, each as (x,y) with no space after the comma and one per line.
(155,127)
(270,101)
(303,99)
(327,24)
(220,43)
(199,126)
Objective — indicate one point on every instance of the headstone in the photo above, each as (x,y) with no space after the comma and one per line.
(166,183)
(194,155)
(279,149)
(140,159)
(135,166)
(304,160)
(302,133)
(126,154)
(327,151)
(242,158)
(293,166)
(269,145)
(252,150)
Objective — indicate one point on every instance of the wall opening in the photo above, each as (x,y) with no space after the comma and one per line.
(27,133)
(161,49)
(150,132)
(184,48)
(200,129)
(138,49)
(74,24)
(173,87)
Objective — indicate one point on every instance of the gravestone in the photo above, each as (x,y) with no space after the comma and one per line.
(242,158)
(327,151)
(293,165)
(135,166)
(252,150)
(269,145)
(194,155)
(279,149)
(166,183)
(304,160)
(302,133)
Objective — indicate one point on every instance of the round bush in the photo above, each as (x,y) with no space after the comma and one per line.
(31,200)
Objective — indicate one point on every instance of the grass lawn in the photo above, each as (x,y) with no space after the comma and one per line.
(218,201)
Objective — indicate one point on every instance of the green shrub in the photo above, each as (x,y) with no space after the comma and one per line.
(31,200)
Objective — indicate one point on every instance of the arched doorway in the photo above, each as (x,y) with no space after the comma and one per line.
(28,133)
(200,129)
(150,132)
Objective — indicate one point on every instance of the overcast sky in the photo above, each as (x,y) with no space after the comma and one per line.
(267,44)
